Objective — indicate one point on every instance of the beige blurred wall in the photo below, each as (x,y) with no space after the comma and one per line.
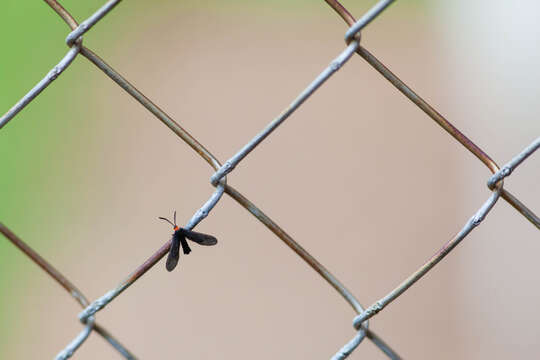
(359,176)
(493,58)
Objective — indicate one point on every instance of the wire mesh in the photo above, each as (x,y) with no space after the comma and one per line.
(74,40)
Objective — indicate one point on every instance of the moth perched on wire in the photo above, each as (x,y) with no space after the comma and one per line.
(179,238)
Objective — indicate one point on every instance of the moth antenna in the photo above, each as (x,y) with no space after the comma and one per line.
(175,218)
(167,220)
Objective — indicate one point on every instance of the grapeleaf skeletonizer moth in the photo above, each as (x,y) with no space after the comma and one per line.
(179,238)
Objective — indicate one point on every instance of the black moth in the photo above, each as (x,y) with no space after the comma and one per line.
(179,238)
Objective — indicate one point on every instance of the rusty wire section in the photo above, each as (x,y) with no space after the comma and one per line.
(352,41)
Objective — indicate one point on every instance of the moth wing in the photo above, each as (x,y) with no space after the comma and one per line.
(174,254)
(201,239)
(185,246)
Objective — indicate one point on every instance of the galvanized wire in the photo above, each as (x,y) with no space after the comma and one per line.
(507,169)
(218,179)
(41,85)
(70,288)
(304,95)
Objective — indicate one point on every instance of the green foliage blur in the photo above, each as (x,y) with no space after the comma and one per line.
(38,147)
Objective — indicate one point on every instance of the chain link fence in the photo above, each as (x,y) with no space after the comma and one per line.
(353,46)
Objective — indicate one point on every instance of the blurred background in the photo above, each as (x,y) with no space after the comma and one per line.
(359,176)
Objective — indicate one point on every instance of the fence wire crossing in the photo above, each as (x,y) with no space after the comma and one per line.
(74,41)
